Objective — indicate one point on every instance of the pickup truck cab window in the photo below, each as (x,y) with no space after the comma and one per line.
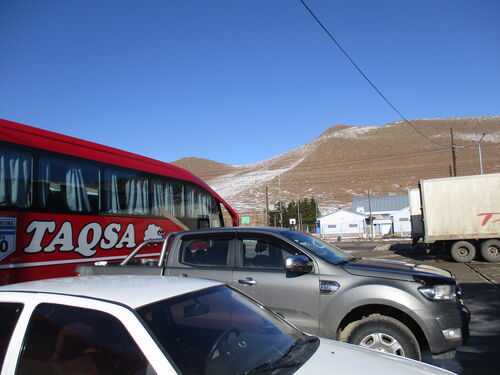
(262,251)
(205,251)
(262,254)
(65,339)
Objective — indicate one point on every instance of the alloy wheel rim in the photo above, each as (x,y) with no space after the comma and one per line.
(383,343)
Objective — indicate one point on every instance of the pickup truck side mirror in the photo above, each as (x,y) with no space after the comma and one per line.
(298,263)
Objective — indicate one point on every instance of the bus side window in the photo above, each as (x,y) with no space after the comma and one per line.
(65,186)
(126,192)
(15,178)
(195,207)
(162,197)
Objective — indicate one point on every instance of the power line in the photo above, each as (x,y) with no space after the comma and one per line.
(364,75)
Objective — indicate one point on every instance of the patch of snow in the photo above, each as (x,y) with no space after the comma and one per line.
(473,137)
(351,132)
(470,119)
(255,176)
(231,184)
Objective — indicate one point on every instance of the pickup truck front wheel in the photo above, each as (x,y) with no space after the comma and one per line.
(385,334)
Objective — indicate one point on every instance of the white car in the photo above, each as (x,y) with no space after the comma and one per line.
(165,325)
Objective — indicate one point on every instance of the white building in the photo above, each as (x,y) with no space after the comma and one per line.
(391,215)
(382,210)
(343,223)
(385,205)
(401,221)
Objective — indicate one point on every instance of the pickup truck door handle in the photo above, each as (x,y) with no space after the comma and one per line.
(247,281)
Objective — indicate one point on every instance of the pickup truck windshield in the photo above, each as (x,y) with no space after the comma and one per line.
(220,331)
(320,248)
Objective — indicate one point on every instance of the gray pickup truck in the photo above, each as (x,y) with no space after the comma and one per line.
(390,306)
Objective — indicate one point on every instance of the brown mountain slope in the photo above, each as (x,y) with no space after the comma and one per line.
(347,161)
(206,167)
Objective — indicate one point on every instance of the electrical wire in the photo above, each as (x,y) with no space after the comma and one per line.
(364,75)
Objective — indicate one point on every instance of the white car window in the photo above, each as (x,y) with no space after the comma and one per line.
(72,340)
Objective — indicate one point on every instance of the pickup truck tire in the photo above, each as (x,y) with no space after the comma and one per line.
(463,251)
(490,250)
(387,335)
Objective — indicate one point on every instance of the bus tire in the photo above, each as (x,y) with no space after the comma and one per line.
(463,251)
(490,250)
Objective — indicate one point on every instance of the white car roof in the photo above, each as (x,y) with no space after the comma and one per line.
(131,290)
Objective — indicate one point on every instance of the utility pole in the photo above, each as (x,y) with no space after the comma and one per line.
(317,223)
(453,154)
(267,209)
(479,151)
(281,203)
(371,219)
(298,214)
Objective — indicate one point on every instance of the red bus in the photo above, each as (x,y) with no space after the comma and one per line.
(65,201)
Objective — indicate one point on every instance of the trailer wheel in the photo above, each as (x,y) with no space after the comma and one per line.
(490,250)
(463,251)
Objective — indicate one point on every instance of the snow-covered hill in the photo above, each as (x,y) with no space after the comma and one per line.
(348,161)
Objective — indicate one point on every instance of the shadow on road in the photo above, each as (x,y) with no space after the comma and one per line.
(481,354)
(417,252)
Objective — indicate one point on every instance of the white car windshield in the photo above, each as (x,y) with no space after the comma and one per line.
(220,331)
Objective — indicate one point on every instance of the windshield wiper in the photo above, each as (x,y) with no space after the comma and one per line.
(344,261)
(271,366)
(282,363)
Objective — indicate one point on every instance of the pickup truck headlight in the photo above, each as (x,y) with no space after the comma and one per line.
(439,292)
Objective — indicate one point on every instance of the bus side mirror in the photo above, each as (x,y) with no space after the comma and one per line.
(298,263)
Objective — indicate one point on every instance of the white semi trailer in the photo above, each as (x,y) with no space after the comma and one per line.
(458,214)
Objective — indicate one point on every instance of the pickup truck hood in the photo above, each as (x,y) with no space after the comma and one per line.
(393,269)
(341,358)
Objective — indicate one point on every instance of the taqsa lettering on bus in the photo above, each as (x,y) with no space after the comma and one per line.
(90,236)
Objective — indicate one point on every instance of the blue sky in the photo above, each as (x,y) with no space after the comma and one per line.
(240,81)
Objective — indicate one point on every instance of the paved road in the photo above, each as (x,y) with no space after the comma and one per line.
(480,282)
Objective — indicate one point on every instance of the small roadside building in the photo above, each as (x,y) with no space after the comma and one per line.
(382,210)
(385,205)
(343,223)
(401,222)
(390,215)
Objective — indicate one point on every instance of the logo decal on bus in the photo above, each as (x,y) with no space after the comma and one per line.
(154,232)
(7,236)
(90,236)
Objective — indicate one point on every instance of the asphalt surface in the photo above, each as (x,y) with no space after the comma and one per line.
(480,282)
